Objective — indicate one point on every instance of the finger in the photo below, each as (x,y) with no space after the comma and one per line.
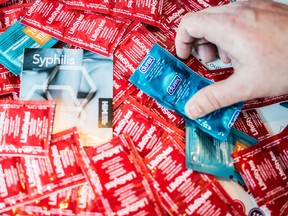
(216,96)
(223,56)
(207,52)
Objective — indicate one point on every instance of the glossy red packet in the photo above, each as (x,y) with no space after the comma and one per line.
(8,81)
(99,6)
(92,31)
(51,17)
(172,13)
(132,48)
(278,206)
(148,12)
(197,5)
(168,115)
(118,181)
(10,15)
(251,123)
(84,201)
(256,103)
(264,168)
(183,191)
(26,127)
(15,2)
(12,190)
(142,125)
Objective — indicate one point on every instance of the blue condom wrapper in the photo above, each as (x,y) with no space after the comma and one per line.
(169,81)
(15,39)
(207,154)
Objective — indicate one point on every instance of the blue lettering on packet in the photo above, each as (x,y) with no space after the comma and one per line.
(169,81)
(15,39)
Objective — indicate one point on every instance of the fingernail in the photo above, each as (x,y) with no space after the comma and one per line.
(193,111)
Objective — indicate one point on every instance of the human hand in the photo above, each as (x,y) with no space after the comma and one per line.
(251,34)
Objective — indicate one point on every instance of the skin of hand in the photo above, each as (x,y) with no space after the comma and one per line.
(251,34)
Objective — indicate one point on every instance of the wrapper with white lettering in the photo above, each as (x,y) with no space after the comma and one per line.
(264,168)
(143,126)
(95,32)
(117,180)
(147,11)
(133,47)
(10,15)
(99,6)
(261,102)
(26,127)
(9,83)
(12,189)
(59,171)
(183,191)
(250,122)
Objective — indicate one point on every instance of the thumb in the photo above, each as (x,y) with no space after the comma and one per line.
(216,96)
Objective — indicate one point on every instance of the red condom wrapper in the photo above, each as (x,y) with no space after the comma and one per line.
(26,127)
(95,32)
(8,81)
(264,168)
(118,181)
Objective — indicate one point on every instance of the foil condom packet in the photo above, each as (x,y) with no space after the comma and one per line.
(250,122)
(9,83)
(15,39)
(92,31)
(197,5)
(172,13)
(148,12)
(143,126)
(10,15)
(57,172)
(177,85)
(264,168)
(118,181)
(207,154)
(12,192)
(26,127)
(99,6)
(15,2)
(183,191)
(133,47)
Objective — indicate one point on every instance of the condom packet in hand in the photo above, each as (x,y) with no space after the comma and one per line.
(169,81)
(207,154)
(15,39)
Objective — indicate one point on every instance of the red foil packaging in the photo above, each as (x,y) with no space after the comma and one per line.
(197,5)
(264,168)
(144,127)
(26,127)
(183,191)
(8,81)
(118,180)
(173,11)
(10,15)
(146,11)
(85,201)
(256,103)
(278,206)
(12,190)
(15,2)
(250,122)
(132,48)
(100,6)
(95,32)
(57,172)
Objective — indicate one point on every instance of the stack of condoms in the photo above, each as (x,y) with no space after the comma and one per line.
(158,161)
